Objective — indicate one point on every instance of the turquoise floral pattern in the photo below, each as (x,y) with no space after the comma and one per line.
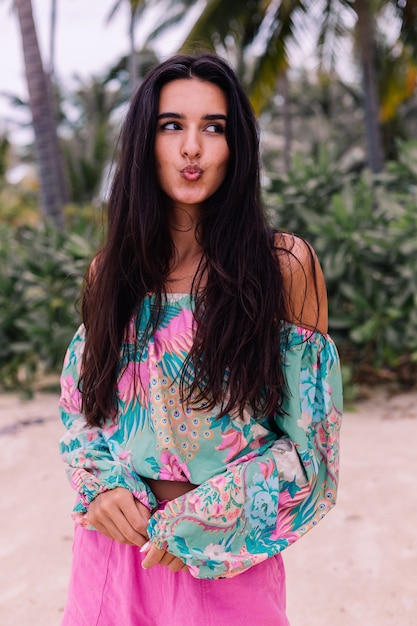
(257,493)
(262,503)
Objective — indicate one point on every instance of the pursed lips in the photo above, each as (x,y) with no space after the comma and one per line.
(191,173)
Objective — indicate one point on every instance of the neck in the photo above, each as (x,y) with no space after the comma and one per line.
(183,224)
(188,251)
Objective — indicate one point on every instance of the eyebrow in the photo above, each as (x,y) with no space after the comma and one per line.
(180,116)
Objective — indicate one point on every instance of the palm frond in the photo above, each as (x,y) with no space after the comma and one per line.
(273,62)
(408,15)
(219,19)
(114,10)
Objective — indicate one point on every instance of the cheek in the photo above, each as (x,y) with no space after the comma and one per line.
(223,157)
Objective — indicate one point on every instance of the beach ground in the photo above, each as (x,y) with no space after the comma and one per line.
(357,568)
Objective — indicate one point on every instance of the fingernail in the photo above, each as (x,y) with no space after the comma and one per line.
(145,546)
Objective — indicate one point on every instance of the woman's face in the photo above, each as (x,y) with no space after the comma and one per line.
(191,150)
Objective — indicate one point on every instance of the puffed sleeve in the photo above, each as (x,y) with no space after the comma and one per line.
(262,504)
(90,466)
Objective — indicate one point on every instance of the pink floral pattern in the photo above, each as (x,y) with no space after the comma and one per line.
(172,469)
(256,493)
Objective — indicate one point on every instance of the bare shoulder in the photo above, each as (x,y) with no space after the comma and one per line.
(93,268)
(304,285)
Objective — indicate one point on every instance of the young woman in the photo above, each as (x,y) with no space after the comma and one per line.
(201,395)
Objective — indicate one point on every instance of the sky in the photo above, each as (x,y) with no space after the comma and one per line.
(85,44)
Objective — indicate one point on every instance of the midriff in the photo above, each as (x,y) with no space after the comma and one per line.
(169,489)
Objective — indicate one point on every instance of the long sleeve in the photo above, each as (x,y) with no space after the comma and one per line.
(91,467)
(262,504)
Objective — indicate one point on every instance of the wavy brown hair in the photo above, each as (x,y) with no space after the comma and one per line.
(235,359)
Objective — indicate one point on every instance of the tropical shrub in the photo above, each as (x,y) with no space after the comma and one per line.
(41,273)
(364,229)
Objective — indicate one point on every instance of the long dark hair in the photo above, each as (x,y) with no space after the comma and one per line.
(235,360)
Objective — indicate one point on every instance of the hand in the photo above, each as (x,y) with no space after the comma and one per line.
(118,515)
(155,556)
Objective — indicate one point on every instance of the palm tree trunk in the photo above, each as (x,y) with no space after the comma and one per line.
(286,115)
(54,98)
(366,39)
(133,63)
(52,38)
(43,118)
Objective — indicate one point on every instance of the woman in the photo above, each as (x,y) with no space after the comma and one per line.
(201,395)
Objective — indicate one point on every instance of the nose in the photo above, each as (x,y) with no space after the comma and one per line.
(191,147)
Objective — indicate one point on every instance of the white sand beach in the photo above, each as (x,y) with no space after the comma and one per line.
(357,568)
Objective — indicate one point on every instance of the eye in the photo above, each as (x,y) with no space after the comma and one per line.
(170,126)
(215,128)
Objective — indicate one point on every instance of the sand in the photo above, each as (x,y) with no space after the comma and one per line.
(357,568)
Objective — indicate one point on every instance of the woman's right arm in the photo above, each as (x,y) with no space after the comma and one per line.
(110,498)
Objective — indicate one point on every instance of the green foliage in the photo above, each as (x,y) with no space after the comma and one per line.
(19,204)
(4,151)
(89,136)
(41,273)
(364,229)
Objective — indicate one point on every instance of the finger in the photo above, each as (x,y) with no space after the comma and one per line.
(125,533)
(146,547)
(176,565)
(115,526)
(153,557)
(108,527)
(167,559)
(143,511)
(137,517)
(136,514)
(115,514)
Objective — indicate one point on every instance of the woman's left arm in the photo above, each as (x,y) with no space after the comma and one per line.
(261,505)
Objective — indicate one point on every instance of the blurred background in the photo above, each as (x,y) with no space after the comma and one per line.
(334,83)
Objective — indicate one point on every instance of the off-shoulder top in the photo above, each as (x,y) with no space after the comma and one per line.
(257,491)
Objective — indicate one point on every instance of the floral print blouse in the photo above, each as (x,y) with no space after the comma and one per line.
(257,492)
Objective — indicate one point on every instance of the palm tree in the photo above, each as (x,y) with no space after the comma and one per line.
(43,117)
(365,29)
(136,8)
(52,39)
(169,12)
(261,32)
(382,96)
(255,37)
(91,136)
(396,62)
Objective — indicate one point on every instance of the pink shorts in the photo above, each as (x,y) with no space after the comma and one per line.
(108,587)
